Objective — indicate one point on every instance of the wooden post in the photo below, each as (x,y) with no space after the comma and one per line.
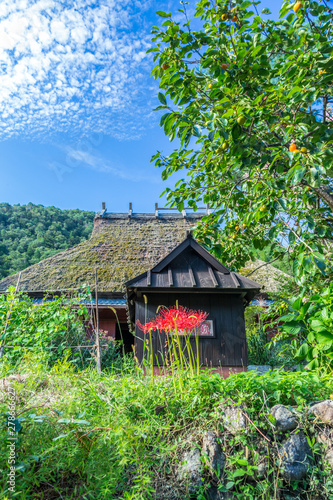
(98,349)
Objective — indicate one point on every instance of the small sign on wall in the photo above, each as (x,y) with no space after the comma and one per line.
(206,329)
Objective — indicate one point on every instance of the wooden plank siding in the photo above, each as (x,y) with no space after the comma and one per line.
(228,348)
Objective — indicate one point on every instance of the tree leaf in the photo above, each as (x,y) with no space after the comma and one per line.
(282,202)
(61,436)
(162,98)
(239,473)
(323,336)
(163,14)
(291,238)
(302,351)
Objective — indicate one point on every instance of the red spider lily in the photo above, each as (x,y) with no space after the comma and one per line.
(147,327)
(169,319)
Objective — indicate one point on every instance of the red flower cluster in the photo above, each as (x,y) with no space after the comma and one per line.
(169,319)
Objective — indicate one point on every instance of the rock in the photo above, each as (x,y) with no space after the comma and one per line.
(233,419)
(214,494)
(323,410)
(295,455)
(191,469)
(328,457)
(212,452)
(285,419)
(261,369)
(262,470)
(325,438)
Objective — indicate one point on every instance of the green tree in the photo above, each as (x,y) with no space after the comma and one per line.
(248,100)
(30,233)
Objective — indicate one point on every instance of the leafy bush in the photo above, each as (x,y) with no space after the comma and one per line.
(108,437)
(260,350)
(53,327)
(308,326)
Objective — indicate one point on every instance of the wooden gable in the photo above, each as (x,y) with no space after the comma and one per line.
(189,265)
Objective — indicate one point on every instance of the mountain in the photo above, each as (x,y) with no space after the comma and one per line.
(31,233)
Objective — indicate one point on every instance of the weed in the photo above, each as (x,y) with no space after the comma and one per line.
(118,436)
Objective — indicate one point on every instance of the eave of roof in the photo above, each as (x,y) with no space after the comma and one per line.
(213,275)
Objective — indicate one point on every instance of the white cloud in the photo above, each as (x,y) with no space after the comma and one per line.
(92,160)
(73,67)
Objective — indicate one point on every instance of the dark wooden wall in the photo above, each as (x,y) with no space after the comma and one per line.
(228,348)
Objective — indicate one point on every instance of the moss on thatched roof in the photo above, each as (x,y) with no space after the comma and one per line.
(271,278)
(120,248)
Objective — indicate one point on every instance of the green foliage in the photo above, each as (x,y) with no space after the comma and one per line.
(284,263)
(238,89)
(260,350)
(252,316)
(308,325)
(30,233)
(51,326)
(54,328)
(81,435)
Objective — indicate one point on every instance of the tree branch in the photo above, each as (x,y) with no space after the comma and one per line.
(266,264)
(310,133)
(325,196)
(325,100)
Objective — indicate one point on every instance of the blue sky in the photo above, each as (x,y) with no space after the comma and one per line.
(76,100)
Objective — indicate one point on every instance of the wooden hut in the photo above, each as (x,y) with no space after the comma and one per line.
(192,277)
(122,246)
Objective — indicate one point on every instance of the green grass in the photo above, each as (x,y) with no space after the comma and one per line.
(122,435)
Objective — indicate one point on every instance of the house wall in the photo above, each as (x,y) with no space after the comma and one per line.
(227,349)
(116,326)
(108,322)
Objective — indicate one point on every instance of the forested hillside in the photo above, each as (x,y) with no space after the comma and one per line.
(30,233)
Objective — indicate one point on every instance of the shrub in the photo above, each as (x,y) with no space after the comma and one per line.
(262,351)
(305,322)
(52,327)
(84,435)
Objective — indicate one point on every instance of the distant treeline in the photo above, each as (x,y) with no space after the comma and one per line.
(30,233)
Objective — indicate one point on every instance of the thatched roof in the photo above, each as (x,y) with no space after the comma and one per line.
(121,247)
(269,276)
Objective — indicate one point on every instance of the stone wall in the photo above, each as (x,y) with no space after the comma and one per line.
(296,443)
